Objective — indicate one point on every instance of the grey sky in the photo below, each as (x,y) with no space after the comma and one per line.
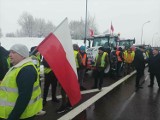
(127,16)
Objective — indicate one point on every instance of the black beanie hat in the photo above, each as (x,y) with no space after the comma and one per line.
(101,48)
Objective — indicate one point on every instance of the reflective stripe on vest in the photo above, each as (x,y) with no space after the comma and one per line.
(84,59)
(3,88)
(9,95)
(75,57)
(47,70)
(102,59)
(12,104)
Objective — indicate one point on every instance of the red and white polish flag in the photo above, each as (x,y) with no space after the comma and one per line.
(112,28)
(57,50)
(91,32)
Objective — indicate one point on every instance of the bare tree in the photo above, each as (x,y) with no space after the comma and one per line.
(49,27)
(10,35)
(31,27)
(77,28)
(27,24)
(39,29)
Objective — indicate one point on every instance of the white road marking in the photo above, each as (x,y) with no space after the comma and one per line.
(82,92)
(70,115)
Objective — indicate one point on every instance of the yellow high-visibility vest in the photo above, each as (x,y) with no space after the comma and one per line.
(9,94)
(102,59)
(47,70)
(75,56)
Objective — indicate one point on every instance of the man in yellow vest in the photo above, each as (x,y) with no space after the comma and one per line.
(20,93)
(101,62)
(78,60)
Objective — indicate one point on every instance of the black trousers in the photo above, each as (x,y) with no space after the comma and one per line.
(65,99)
(50,79)
(98,77)
(140,73)
(119,68)
(152,75)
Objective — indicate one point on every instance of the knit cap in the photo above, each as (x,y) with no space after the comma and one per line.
(21,50)
(101,48)
(82,48)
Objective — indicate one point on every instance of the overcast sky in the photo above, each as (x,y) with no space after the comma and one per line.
(127,16)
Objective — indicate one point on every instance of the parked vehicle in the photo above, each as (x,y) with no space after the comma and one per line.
(108,41)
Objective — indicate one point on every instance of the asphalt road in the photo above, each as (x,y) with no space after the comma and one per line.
(118,100)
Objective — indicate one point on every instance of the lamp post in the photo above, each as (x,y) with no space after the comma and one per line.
(85,37)
(142,29)
(153,37)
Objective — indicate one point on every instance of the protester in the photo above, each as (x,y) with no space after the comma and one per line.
(154,66)
(101,62)
(83,66)
(50,79)
(139,63)
(128,59)
(65,103)
(20,90)
(4,62)
(119,54)
(113,62)
(78,59)
(36,59)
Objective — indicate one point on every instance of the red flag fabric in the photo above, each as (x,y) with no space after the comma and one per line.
(112,28)
(58,52)
(91,32)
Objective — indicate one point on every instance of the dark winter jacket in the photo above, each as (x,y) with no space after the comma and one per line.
(139,61)
(3,62)
(154,64)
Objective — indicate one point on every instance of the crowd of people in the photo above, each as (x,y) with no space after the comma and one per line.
(20,87)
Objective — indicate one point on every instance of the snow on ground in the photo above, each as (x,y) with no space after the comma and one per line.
(7,42)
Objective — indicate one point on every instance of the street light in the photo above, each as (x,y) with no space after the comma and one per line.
(142,29)
(85,37)
(153,37)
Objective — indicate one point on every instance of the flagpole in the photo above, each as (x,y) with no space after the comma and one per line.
(85,25)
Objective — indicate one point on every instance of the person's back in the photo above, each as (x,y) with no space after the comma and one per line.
(154,64)
(139,59)
(113,60)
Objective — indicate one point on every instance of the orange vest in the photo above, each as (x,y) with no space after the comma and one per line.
(84,59)
(118,56)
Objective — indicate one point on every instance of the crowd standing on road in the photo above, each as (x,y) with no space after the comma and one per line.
(25,71)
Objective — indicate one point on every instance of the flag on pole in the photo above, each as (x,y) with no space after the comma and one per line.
(91,32)
(57,50)
(112,28)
